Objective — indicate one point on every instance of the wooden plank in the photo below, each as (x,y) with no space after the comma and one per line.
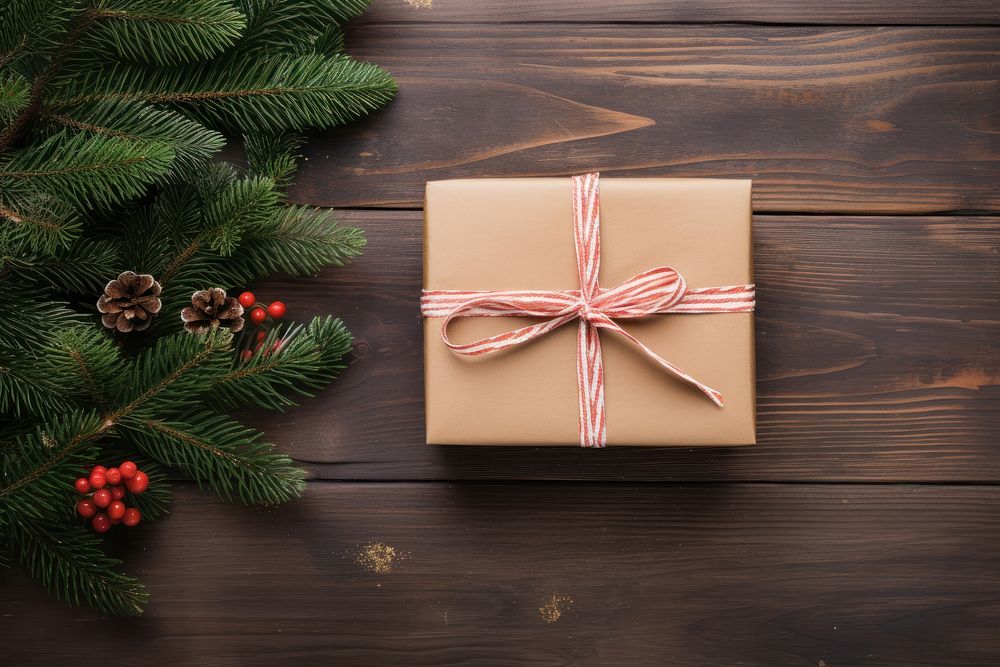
(703,575)
(878,358)
(843,12)
(865,120)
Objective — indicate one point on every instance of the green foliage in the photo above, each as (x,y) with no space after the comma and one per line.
(191,142)
(306,358)
(273,92)
(165,32)
(221,453)
(111,120)
(70,563)
(86,171)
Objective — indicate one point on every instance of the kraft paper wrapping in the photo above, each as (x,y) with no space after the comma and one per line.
(517,233)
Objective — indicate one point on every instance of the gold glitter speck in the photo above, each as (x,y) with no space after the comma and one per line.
(420,4)
(378,557)
(554,607)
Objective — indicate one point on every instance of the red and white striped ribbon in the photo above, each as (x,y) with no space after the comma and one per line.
(656,291)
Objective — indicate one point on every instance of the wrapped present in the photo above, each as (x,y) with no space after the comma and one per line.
(563,311)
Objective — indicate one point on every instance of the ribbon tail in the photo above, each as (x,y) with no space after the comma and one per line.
(608,323)
(590,386)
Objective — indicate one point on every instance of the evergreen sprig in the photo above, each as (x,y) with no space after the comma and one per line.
(111,121)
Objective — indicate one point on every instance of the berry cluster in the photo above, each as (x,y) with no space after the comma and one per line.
(108,494)
(257,312)
(257,315)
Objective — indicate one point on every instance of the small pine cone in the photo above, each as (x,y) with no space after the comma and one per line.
(211,308)
(129,302)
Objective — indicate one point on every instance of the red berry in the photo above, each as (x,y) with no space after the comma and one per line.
(102,497)
(116,509)
(113,475)
(139,483)
(261,335)
(82,485)
(257,315)
(100,469)
(101,523)
(86,508)
(132,517)
(117,493)
(127,469)
(247,299)
(276,310)
(98,480)
(246,355)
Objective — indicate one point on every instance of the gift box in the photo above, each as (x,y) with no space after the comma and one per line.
(584,256)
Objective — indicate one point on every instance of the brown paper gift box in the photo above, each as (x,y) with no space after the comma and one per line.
(517,234)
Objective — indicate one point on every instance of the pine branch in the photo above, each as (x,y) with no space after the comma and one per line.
(37,221)
(287,24)
(87,171)
(25,310)
(37,480)
(34,25)
(243,205)
(69,562)
(82,268)
(220,454)
(302,362)
(24,390)
(272,93)
(135,121)
(299,240)
(165,32)
(15,95)
(174,369)
(272,155)
(88,363)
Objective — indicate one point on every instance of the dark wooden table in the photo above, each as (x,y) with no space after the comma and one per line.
(865,527)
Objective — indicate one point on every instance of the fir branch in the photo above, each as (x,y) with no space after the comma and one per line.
(41,222)
(243,205)
(134,121)
(26,310)
(221,454)
(300,240)
(62,13)
(165,32)
(272,155)
(89,361)
(82,268)
(173,369)
(87,171)
(36,480)
(25,391)
(272,93)
(69,562)
(15,95)
(303,362)
(290,24)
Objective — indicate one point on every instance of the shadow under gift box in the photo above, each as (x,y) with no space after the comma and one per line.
(517,234)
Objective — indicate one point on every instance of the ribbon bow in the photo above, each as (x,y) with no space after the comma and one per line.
(659,290)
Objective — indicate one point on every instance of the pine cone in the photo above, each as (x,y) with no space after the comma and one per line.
(211,308)
(129,302)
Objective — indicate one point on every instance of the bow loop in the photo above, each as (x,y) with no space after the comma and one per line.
(647,293)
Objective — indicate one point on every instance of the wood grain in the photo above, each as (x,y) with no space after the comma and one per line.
(844,12)
(878,358)
(859,120)
(654,574)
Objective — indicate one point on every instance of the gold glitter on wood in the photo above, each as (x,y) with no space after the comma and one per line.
(420,4)
(554,607)
(378,557)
